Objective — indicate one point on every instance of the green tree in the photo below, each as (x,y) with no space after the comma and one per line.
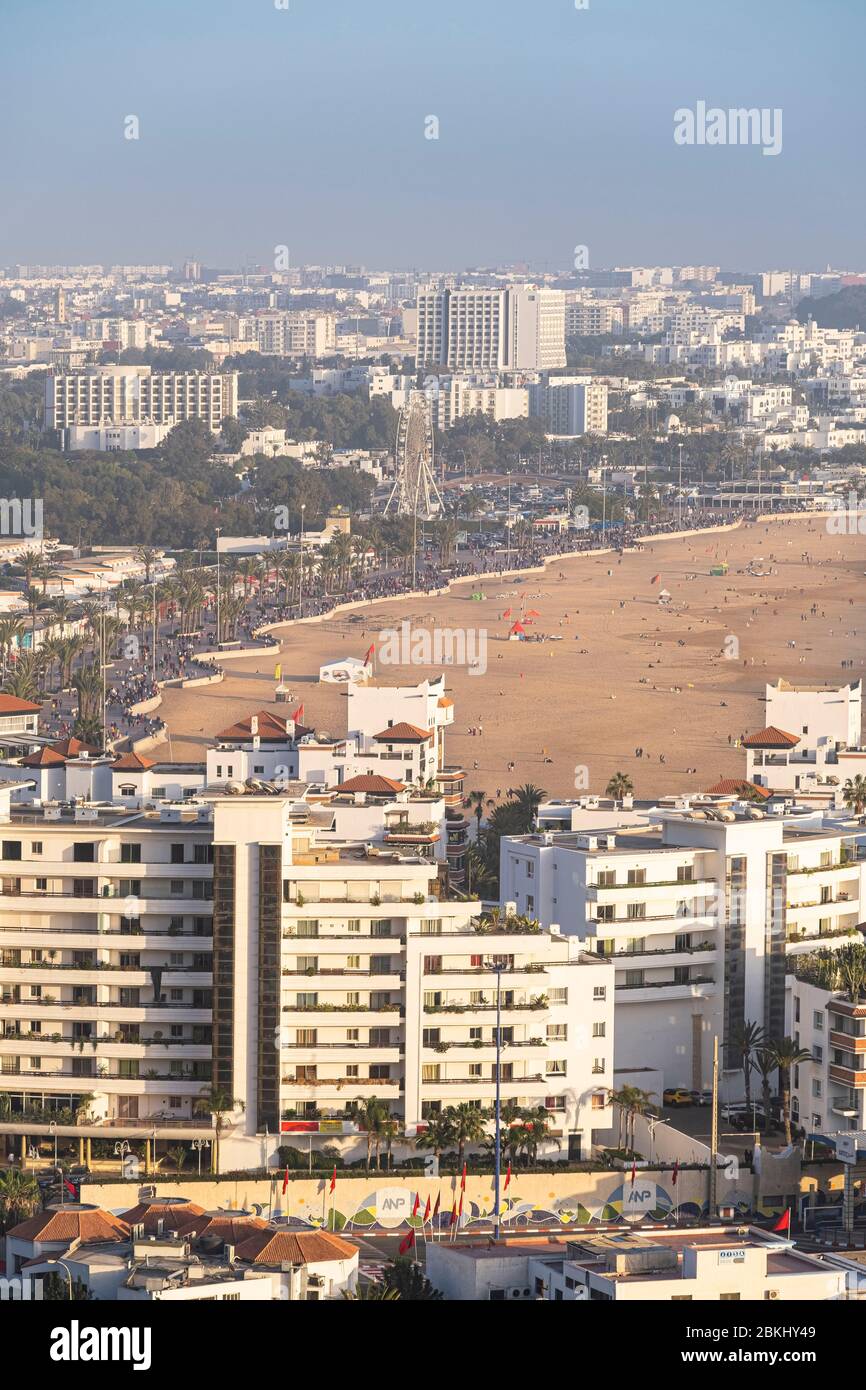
(467,1127)
(787,1054)
(619,786)
(854,793)
(19,1197)
(410,1282)
(218,1103)
(747,1040)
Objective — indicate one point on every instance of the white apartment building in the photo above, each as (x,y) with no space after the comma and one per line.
(296,333)
(570,406)
(710,1264)
(491,329)
(828,1093)
(697,910)
(137,395)
(146,954)
(594,317)
(113,439)
(812,743)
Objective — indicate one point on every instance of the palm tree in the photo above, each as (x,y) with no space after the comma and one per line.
(438,1135)
(765,1065)
(88,685)
(854,793)
(480,879)
(787,1054)
(619,786)
(366,1293)
(467,1127)
(178,1156)
(527,800)
(476,801)
(23,683)
(147,556)
(19,1197)
(534,1130)
(217,1103)
(11,632)
(370,1114)
(747,1040)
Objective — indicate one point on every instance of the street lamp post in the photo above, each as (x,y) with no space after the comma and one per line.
(301,583)
(680,492)
(122,1148)
(497,964)
(198,1145)
(218,532)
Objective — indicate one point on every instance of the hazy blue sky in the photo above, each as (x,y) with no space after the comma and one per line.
(261,126)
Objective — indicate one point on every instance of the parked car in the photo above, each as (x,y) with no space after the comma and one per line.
(677,1095)
(704,1097)
(742,1116)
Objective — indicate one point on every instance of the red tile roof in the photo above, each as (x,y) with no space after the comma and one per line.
(771,737)
(371,782)
(736,786)
(71,1223)
(44,757)
(73,748)
(10,704)
(404,733)
(271,727)
(132,762)
(225,1227)
(270,1247)
(175,1216)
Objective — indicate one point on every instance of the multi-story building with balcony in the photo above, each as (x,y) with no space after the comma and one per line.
(137,395)
(698,910)
(146,954)
(828,1092)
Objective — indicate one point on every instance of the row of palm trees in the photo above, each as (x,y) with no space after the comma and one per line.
(853,792)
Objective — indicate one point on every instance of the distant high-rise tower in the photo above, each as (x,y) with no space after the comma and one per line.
(60,305)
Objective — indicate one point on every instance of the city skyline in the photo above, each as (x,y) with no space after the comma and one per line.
(320,134)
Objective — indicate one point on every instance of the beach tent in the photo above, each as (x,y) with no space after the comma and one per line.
(517,633)
(348,671)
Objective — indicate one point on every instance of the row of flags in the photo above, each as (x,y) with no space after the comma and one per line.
(781,1226)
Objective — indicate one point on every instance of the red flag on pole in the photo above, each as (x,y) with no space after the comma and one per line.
(463,1179)
(454,1213)
(633,1171)
(369,653)
(436,1207)
(460,1208)
(407,1243)
(426,1216)
(298,715)
(69,1188)
(286,1180)
(507,1179)
(675,1174)
(655,579)
(333,1186)
(417,1204)
(784,1222)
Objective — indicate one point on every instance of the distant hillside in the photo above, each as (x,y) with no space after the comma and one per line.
(847,309)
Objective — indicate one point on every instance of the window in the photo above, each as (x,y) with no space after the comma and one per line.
(431,926)
(797,1009)
(599,1029)
(817,1053)
(530,868)
(42,885)
(353,925)
(530,904)
(175,887)
(555,1068)
(353,962)
(557,996)
(597,1066)
(818,1021)
(817,1122)
(177,854)
(607,878)
(636,911)
(557,1032)
(685,873)
(598,1100)
(599,992)
(817,1089)
(130,854)
(12,849)
(636,876)
(35,846)
(730,1297)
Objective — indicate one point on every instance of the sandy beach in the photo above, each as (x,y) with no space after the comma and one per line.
(628,673)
